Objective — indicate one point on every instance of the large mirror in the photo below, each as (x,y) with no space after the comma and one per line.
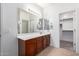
(28,21)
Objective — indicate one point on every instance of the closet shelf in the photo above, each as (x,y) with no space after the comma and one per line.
(67,30)
(68,19)
(71,18)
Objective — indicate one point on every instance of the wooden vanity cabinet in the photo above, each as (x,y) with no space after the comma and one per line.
(33,46)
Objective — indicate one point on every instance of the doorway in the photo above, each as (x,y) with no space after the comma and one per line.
(66,30)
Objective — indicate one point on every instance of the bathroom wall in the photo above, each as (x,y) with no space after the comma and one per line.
(9,17)
(50,13)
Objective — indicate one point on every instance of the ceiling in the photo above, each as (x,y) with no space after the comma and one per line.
(43,4)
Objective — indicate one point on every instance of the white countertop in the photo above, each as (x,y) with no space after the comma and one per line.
(28,36)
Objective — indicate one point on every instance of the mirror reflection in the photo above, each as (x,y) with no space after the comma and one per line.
(27,22)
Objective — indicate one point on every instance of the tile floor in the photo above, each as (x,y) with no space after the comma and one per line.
(51,51)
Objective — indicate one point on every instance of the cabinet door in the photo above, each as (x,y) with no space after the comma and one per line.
(47,40)
(39,43)
(44,41)
(31,47)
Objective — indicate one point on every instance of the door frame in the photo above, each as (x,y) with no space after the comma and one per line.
(74,34)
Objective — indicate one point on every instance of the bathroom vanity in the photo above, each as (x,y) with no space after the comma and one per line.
(32,44)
